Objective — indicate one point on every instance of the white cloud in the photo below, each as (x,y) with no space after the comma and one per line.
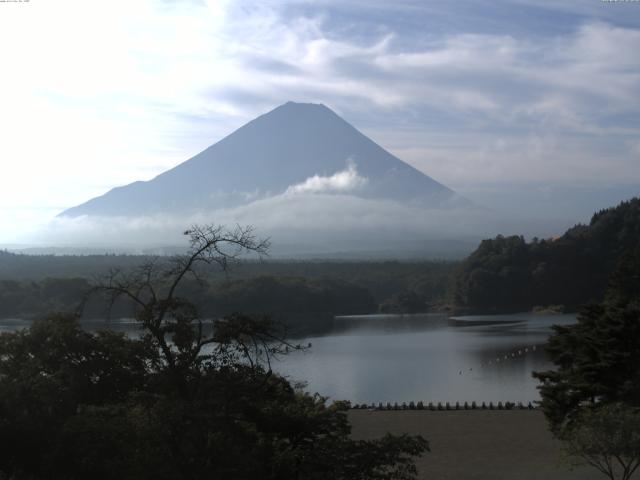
(343,181)
(310,221)
(93,98)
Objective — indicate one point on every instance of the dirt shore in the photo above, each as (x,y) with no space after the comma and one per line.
(477,444)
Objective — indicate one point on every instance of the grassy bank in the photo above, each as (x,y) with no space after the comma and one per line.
(476,444)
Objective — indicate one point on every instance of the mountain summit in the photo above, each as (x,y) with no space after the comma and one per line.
(297,147)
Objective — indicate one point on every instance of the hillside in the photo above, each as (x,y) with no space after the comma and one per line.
(508,274)
(295,148)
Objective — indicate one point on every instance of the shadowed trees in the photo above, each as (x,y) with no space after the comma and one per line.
(509,274)
(598,358)
(592,398)
(191,398)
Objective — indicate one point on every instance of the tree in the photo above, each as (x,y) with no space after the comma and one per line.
(507,274)
(404,302)
(191,398)
(592,399)
(50,375)
(172,322)
(608,439)
(598,358)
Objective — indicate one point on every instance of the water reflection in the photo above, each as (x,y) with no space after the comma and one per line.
(402,358)
(385,358)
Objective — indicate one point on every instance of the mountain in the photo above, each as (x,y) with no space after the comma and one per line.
(295,148)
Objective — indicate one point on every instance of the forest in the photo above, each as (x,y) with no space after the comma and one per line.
(510,274)
(503,275)
(192,398)
(304,294)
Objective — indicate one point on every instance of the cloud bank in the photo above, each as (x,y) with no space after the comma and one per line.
(309,222)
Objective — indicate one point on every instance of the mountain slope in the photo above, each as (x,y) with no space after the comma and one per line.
(291,144)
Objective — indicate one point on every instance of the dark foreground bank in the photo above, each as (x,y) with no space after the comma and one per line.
(476,444)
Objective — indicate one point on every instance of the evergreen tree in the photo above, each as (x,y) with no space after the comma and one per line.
(598,358)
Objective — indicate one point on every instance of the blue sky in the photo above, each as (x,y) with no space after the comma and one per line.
(538,101)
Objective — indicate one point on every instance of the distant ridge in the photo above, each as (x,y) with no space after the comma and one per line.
(284,148)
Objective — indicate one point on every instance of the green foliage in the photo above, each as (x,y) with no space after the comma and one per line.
(286,295)
(23,267)
(83,405)
(193,398)
(49,373)
(508,274)
(598,358)
(304,294)
(37,298)
(404,302)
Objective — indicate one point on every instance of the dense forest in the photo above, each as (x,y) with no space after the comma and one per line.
(192,397)
(306,295)
(508,274)
(382,279)
(504,274)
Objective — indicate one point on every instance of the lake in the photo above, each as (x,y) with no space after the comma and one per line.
(433,358)
(403,358)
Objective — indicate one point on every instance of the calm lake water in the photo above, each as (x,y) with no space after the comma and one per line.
(433,358)
(402,358)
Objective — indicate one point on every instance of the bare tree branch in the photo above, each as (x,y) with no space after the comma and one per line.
(174,324)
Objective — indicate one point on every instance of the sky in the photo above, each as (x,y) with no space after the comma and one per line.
(516,104)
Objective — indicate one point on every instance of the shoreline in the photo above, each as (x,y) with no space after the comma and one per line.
(476,444)
(446,406)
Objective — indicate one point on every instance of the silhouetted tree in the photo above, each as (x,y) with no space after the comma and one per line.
(592,398)
(598,358)
(507,274)
(191,398)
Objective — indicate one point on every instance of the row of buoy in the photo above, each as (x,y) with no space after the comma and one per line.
(501,358)
(510,355)
(447,406)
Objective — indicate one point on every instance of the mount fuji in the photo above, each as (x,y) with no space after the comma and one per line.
(302,176)
(295,148)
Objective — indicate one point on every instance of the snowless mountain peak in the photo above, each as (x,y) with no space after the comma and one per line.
(296,147)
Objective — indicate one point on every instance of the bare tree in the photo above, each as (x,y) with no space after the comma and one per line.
(174,323)
(183,402)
